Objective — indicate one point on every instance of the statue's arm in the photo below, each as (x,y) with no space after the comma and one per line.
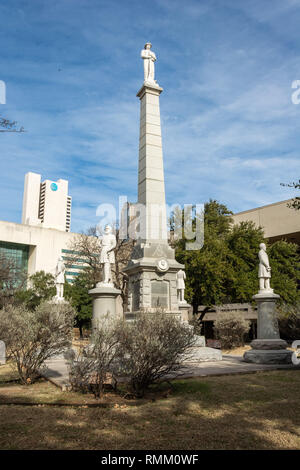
(113,244)
(144,54)
(264,259)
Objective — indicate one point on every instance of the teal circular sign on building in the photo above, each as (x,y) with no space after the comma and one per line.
(53,186)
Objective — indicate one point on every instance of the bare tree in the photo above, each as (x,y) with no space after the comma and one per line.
(85,251)
(295,204)
(6,125)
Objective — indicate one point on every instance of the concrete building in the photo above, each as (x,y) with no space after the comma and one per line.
(46,203)
(44,233)
(36,248)
(277,220)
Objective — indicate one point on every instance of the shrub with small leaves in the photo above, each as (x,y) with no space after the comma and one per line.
(94,364)
(289,321)
(230,329)
(151,347)
(32,337)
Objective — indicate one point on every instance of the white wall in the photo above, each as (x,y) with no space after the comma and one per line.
(45,244)
(276,219)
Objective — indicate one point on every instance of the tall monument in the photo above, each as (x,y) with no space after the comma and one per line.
(152,270)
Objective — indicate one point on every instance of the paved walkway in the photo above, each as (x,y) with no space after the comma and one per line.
(58,374)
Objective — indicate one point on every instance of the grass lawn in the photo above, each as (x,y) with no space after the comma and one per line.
(252,411)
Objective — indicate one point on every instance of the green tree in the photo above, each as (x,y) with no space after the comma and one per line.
(42,287)
(285,263)
(78,295)
(225,269)
(207,269)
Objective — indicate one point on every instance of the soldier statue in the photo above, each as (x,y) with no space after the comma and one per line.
(264,269)
(107,255)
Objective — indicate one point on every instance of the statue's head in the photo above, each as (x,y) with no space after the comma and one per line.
(107,229)
(262,246)
(60,258)
(148,45)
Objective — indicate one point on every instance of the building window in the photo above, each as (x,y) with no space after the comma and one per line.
(159,294)
(16,256)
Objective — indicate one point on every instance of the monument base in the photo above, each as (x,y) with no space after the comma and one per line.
(184,309)
(268,351)
(131,316)
(104,304)
(198,354)
(268,348)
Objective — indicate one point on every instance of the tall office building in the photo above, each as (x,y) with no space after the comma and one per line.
(46,203)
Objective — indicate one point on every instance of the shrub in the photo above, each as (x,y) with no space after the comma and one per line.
(230,328)
(93,364)
(31,337)
(196,324)
(151,347)
(289,321)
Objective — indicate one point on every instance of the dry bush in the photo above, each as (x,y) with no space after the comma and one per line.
(289,321)
(230,328)
(152,347)
(31,337)
(86,249)
(90,369)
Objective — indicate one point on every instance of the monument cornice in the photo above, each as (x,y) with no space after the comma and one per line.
(148,88)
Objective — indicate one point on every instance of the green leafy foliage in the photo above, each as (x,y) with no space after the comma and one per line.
(225,270)
(42,288)
(289,321)
(78,295)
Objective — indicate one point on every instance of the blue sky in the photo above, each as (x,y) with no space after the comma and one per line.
(72,69)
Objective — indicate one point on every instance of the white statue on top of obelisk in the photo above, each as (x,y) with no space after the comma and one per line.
(149,58)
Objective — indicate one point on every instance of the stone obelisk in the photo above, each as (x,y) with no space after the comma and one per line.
(152,268)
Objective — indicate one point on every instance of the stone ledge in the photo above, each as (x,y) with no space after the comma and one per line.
(202,354)
(273,356)
(268,344)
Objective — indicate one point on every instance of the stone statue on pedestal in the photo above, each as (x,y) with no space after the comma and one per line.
(149,58)
(60,278)
(267,348)
(264,270)
(180,278)
(107,255)
(105,295)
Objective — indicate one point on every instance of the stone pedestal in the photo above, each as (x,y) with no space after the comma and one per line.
(104,303)
(199,352)
(184,309)
(268,348)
